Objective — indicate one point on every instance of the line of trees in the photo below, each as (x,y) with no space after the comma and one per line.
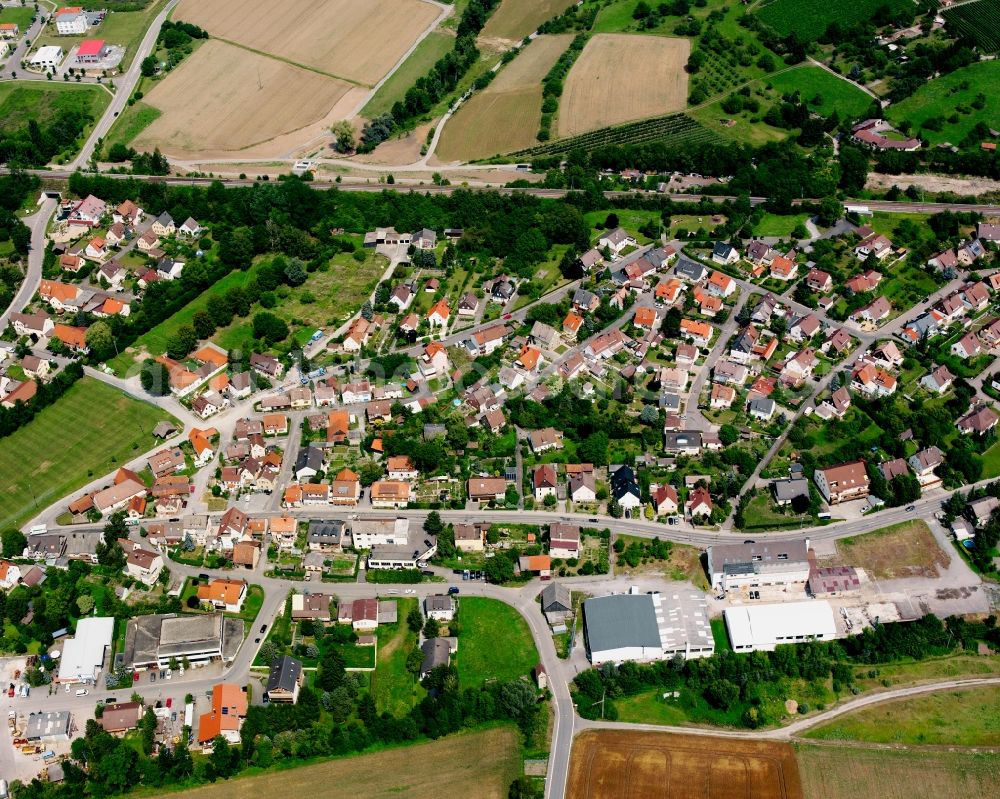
(442,78)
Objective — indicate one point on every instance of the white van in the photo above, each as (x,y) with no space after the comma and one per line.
(82,692)
(3,789)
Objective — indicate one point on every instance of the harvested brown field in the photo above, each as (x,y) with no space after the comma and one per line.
(515,19)
(350,39)
(908,549)
(213,102)
(610,764)
(479,764)
(621,77)
(505,116)
(847,772)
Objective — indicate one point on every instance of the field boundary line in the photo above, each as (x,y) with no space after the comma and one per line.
(291,63)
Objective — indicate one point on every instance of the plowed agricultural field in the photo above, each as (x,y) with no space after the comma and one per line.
(621,77)
(360,40)
(609,764)
(505,116)
(515,19)
(224,98)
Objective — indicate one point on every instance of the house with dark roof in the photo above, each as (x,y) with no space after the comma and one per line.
(284,680)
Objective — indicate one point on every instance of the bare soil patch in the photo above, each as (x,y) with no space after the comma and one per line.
(621,77)
(360,41)
(225,99)
(610,764)
(933,183)
(903,550)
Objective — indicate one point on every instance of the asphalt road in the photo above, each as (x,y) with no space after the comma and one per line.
(37,222)
(124,86)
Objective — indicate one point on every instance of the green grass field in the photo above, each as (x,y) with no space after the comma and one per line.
(776,225)
(394,689)
(955,718)
(811,18)
(20,102)
(87,433)
(950,98)
(22,17)
(325,300)
(419,63)
(132,121)
(494,642)
(823,92)
(154,341)
(854,772)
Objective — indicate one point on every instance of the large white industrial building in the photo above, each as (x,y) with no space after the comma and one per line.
(644,627)
(83,655)
(751,565)
(763,627)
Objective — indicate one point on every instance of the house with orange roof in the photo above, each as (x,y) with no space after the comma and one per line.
(229,709)
(720,285)
(112,307)
(357,335)
(337,426)
(669,291)
(23,393)
(571,325)
(645,318)
(10,574)
(699,332)
(439,314)
(275,424)
(710,305)
(293,496)
(201,444)
(537,564)
(284,530)
(390,494)
(400,467)
(96,249)
(529,358)
(345,488)
(59,296)
(212,356)
(224,594)
(9,30)
(783,268)
(74,338)
(874,382)
(433,361)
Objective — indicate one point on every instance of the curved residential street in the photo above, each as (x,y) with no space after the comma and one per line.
(38,223)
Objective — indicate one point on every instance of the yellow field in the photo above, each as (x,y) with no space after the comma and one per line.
(478,764)
(515,19)
(506,115)
(611,764)
(621,77)
(213,102)
(359,40)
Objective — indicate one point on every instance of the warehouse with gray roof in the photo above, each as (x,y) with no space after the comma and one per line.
(645,627)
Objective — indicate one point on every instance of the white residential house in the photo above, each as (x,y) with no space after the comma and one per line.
(71,21)
(48,58)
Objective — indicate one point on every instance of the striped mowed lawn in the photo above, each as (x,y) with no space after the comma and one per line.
(88,432)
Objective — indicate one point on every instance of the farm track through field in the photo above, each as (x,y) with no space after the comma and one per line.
(293,63)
